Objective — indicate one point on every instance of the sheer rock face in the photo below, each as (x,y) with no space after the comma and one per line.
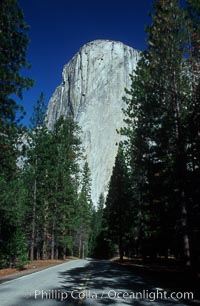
(92,90)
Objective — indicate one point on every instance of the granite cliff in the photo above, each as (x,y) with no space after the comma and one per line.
(92,87)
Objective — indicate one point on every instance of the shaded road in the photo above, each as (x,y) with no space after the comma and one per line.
(85,282)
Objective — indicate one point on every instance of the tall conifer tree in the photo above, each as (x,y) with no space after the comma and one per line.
(13,47)
(156,127)
(118,211)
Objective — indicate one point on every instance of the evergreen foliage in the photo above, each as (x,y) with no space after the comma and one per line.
(51,166)
(84,213)
(155,183)
(96,225)
(118,210)
(13,47)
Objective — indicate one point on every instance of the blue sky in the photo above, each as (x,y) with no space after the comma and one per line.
(59,28)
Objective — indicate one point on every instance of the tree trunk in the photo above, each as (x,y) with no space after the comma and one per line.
(64,253)
(56,253)
(80,246)
(45,233)
(121,249)
(44,248)
(181,175)
(83,250)
(53,240)
(186,241)
(38,254)
(32,247)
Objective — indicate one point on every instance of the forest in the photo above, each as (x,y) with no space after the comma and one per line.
(152,208)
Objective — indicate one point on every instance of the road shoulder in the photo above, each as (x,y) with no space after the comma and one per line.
(11,274)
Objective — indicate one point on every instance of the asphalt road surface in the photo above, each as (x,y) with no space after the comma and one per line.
(85,282)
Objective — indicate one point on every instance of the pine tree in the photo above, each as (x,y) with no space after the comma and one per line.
(51,168)
(118,210)
(14,248)
(96,224)
(13,46)
(173,90)
(139,118)
(156,117)
(35,144)
(85,212)
(99,214)
(65,196)
(165,55)
(193,132)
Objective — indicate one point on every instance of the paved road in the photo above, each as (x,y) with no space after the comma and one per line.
(83,282)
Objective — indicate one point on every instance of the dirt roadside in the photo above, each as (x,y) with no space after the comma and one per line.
(31,267)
